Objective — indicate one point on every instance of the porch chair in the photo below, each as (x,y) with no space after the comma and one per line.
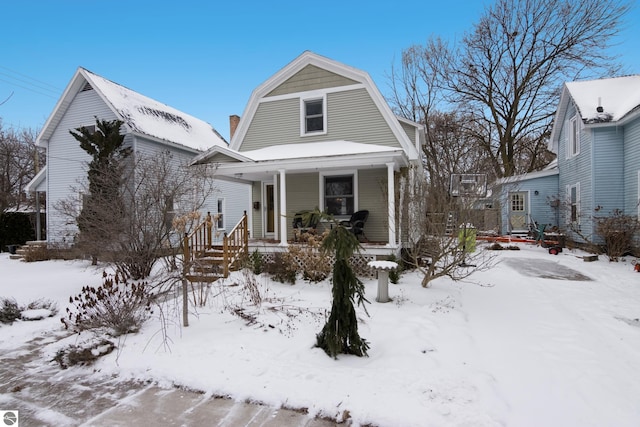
(304,222)
(356,223)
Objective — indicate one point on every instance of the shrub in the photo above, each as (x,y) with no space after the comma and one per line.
(256,262)
(394,275)
(9,310)
(78,355)
(117,305)
(315,264)
(284,268)
(617,230)
(15,229)
(36,253)
(43,303)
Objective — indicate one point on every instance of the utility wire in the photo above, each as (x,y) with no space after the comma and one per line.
(29,83)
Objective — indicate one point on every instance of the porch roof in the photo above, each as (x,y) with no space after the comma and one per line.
(38,183)
(255,165)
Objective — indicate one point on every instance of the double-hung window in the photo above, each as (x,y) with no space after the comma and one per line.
(314,115)
(339,194)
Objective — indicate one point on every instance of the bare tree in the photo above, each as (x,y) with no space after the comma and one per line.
(441,241)
(154,190)
(163,187)
(18,165)
(504,77)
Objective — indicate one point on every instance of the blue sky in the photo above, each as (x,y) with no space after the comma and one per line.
(205,58)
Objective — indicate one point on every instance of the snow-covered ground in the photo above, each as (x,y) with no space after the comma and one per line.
(537,340)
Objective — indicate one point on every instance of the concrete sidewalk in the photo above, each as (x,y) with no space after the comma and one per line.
(45,395)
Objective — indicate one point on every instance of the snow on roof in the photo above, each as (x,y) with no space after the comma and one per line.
(149,117)
(315,149)
(618,96)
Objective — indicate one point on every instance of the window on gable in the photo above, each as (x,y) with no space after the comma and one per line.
(339,194)
(314,115)
(574,137)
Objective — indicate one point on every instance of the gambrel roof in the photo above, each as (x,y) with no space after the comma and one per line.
(326,149)
(309,58)
(141,115)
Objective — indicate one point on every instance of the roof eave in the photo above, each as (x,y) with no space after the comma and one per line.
(312,163)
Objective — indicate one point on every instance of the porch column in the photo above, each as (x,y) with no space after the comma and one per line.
(283,207)
(391,202)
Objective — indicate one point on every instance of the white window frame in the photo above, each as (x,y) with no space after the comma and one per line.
(571,203)
(303,114)
(573,137)
(220,207)
(353,173)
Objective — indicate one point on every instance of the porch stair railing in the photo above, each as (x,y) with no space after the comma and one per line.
(208,262)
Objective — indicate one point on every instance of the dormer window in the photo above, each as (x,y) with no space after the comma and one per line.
(314,116)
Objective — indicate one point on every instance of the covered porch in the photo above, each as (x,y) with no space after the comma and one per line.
(291,178)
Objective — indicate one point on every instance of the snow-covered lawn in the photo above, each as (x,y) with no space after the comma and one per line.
(523,344)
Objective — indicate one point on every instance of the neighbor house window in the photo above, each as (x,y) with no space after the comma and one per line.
(573,197)
(220,215)
(313,116)
(574,137)
(91,129)
(339,194)
(517,202)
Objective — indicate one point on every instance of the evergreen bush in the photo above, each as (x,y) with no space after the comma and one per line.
(340,333)
(9,310)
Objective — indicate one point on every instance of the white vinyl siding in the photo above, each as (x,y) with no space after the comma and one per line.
(67,163)
(351,116)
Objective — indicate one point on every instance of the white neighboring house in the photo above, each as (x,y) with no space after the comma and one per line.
(150,127)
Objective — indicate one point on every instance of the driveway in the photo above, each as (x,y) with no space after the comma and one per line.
(545,269)
(45,395)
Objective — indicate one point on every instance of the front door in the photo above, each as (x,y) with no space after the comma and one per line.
(518,211)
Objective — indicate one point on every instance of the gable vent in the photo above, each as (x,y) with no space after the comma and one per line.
(87,86)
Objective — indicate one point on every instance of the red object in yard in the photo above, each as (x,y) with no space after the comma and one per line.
(636,267)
